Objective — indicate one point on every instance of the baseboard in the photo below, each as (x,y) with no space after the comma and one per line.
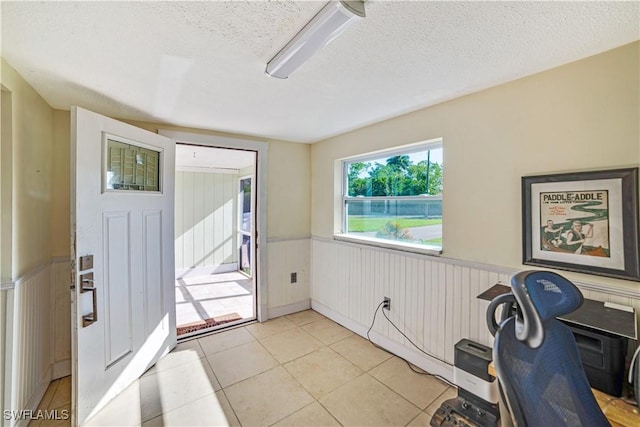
(289,309)
(182,273)
(61,369)
(422,361)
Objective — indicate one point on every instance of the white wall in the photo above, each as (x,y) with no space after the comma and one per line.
(581,116)
(206,221)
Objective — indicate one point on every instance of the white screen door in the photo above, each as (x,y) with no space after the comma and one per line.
(123,316)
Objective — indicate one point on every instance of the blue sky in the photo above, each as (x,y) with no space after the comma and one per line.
(436,156)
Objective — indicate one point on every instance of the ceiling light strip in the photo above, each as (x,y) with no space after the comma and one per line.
(329,23)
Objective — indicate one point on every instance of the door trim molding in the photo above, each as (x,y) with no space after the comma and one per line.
(262,150)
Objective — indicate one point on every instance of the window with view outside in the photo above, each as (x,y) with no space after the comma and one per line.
(396,197)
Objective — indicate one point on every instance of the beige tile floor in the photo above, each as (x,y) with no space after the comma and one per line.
(204,297)
(297,370)
(57,398)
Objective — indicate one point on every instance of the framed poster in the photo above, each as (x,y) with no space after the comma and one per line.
(584,221)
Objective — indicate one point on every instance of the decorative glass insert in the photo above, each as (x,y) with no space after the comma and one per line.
(132,168)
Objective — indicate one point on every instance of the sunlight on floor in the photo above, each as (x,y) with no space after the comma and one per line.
(206,297)
(301,369)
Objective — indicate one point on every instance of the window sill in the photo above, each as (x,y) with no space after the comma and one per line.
(387,244)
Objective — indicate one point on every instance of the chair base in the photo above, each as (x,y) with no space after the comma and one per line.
(462,412)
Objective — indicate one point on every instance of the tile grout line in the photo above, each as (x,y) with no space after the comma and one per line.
(55,384)
(328,346)
(282,365)
(396,393)
(315,400)
(329,412)
(447,386)
(235,414)
(200,349)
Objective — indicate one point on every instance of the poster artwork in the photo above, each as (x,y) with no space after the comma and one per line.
(575,222)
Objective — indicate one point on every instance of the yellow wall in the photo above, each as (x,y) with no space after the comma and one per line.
(32,173)
(288,207)
(288,195)
(288,202)
(6,191)
(60,202)
(578,117)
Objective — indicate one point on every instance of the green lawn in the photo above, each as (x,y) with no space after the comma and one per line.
(434,242)
(364,224)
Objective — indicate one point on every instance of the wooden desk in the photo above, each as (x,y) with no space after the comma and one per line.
(618,412)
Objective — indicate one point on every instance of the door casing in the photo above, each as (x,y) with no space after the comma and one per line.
(262,150)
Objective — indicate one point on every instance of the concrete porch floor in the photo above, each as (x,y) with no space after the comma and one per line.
(204,297)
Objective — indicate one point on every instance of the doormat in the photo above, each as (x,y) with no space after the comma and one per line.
(208,323)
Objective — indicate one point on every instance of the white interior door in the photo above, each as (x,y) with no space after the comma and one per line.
(123,317)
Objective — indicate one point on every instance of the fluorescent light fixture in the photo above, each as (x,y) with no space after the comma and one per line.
(329,23)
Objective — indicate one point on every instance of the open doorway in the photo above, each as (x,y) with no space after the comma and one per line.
(215,238)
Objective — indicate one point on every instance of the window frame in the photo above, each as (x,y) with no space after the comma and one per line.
(378,242)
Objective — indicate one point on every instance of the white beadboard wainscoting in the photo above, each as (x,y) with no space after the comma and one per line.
(286,256)
(433,300)
(36,336)
(61,325)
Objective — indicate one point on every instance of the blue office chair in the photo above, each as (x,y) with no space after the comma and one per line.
(539,368)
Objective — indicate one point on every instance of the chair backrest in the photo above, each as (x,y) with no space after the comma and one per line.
(536,357)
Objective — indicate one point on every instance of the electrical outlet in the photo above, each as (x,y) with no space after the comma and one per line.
(386,303)
(294,277)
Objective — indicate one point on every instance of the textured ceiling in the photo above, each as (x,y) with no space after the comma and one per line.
(201,64)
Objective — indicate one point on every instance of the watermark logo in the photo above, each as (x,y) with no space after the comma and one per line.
(40,414)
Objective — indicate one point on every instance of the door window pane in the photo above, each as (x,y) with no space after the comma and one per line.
(131,168)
